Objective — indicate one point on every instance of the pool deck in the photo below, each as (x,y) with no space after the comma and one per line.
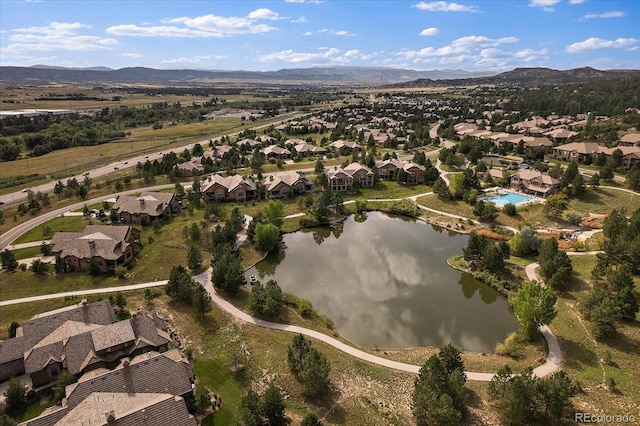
(497,191)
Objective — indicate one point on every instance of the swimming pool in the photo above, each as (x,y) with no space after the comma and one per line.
(508,197)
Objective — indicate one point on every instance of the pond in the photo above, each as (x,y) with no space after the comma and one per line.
(385,282)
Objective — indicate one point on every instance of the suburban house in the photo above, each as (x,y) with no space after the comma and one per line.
(630,155)
(576,151)
(273,151)
(534,182)
(630,139)
(306,150)
(193,166)
(250,143)
(342,179)
(281,185)
(108,246)
(79,339)
(147,207)
(150,386)
(561,135)
(221,188)
(342,145)
(387,170)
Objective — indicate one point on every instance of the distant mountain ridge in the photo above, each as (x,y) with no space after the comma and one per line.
(43,74)
(529,77)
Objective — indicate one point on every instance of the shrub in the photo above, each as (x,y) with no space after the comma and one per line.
(512,346)
(510,209)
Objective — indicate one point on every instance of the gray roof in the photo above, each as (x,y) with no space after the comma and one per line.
(151,372)
(151,203)
(230,183)
(40,326)
(122,409)
(107,242)
(290,178)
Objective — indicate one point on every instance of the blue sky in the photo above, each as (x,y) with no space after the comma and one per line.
(472,35)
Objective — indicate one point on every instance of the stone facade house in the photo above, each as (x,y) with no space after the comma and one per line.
(535,183)
(281,185)
(147,207)
(343,179)
(108,246)
(221,188)
(150,387)
(78,339)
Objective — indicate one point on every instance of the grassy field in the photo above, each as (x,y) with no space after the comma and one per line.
(66,223)
(600,201)
(586,357)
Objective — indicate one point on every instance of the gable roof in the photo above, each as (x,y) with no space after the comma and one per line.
(289,178)
(151,203)
(105,241)
(40,326)
(230,183)
(151,372)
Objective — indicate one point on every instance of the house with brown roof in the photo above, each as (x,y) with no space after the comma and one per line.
(577,151)
(166,376)
(121,409)
(630,155)
(387,170)
(343,179)
(344,146)
(630,139)
(283,184)
(307,150)
(107,246)
(78,339)
(147,207)
(274,151)
(535,182)
(40,326)
(223,188)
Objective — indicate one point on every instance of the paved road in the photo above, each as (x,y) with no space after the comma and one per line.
(126,163)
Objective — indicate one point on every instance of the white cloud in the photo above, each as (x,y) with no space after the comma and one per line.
(429,31)
(610,14)
(304,1)
(595,43)
(443,6)
(576,1)
(475,52)
(191,60)
(200,26)
(300,20)
(340,33)
(308,33)
(56,36)
(325,55)
(131,55)
(546,5)
(263,13)
(300,57)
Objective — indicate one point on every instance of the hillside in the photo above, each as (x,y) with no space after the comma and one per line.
(528,77)
(42,75)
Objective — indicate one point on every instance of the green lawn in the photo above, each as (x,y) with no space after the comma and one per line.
(26,253)
(67,223)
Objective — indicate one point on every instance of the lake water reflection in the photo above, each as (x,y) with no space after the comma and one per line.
(385,282)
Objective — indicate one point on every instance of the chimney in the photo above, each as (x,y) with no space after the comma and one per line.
(271,178)
(111,418)
(126,365)
(141,202)
(92,244)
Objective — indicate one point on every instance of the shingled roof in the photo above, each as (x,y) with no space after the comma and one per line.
(150,203)
(107,242)
(122,409)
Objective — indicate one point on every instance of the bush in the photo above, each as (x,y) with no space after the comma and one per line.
(405,207)
(121,271)
(512,346)
(510,209)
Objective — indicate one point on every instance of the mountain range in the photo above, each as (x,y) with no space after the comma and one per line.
(391,77)
(42,74)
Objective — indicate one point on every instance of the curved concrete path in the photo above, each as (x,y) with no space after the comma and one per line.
(554,356)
